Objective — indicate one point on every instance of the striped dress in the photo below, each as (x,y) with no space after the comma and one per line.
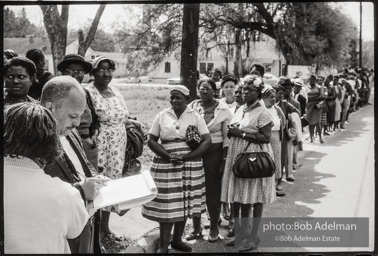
(181,188)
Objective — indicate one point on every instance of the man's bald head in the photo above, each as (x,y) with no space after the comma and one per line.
(65,98)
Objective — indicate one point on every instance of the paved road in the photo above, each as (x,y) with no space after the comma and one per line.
(335,180)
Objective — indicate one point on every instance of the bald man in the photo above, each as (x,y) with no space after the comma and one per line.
(65,98)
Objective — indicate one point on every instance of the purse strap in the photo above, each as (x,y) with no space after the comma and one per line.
(258,142)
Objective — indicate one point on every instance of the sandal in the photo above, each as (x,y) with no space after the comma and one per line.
(181,246)
(195,235)
(213,239)
(251,246)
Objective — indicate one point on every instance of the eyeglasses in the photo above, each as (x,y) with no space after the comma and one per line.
(75,72)
(105,71)
(202,89)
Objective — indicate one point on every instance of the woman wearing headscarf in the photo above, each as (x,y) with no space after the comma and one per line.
(279,120)
(177,170)
(19,74)
(37,56)
(250,126)
(217,116)
(314,112)
(112,112)
(40,212)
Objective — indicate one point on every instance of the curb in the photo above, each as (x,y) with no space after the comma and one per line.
(147,243)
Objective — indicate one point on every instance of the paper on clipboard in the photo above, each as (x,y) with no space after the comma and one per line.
(127,192)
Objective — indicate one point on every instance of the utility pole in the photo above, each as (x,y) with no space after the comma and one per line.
(189,48)
(360,34)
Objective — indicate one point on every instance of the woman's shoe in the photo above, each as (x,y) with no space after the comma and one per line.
(162,251)
(231,232)
(213,239)
(321,141)
(231,243)
(251,245)
(195,235)
(181,246)
(290,179)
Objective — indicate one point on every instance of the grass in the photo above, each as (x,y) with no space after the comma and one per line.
(144,103)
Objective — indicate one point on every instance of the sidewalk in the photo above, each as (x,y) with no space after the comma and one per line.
(145,233)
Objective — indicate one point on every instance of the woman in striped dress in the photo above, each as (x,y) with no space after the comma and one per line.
(177,170)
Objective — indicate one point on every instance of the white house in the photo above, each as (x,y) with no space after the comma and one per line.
(117,57)
(22,45)
(262,52)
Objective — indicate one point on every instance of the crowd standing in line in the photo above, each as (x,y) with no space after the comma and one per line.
(78,137)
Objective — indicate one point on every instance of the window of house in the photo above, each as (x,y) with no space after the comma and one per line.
(167,67)
(202,68)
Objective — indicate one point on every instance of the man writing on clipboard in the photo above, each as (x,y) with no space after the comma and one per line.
(65,98)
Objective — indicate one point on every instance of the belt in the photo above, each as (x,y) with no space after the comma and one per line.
(91,221)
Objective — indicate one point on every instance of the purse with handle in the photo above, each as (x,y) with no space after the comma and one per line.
(253,165)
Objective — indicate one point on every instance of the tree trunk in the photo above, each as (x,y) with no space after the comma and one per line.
(238,58)
(84,44)
(189,48)
(56,28)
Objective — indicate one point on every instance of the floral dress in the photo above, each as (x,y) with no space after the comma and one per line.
(247,191)
(112,137)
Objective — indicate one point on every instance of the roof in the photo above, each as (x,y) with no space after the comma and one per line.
(22,45)
(118,57)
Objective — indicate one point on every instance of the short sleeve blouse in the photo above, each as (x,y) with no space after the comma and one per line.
(168,127)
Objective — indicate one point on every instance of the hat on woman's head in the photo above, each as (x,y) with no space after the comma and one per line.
(99,59)
(181,88)
(298,82)
(287,82)
(74,59)
(258,68)
(267,88)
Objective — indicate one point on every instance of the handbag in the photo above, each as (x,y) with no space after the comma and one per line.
(193,137)
(253,165)
(321,104)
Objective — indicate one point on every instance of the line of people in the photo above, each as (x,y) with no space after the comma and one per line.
(87,131)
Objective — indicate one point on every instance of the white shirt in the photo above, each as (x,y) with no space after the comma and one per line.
(276,119)
(72,156)
(168,127)
(40,212)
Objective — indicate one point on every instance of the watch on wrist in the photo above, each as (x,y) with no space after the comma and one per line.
(243,135)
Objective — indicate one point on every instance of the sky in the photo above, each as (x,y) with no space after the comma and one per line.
(81,14)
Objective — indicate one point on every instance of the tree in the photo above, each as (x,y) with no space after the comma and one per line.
(85,43)
(189,49)
(305,32)
(56,27)
(19,26)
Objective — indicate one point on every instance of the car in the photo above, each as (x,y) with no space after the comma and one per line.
(270,79)
(177,80)
(87,79)
(145,79)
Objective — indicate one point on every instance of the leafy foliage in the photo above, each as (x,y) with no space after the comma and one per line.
(19,25)
(305,32)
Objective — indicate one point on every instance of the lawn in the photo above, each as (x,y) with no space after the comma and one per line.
(144,103)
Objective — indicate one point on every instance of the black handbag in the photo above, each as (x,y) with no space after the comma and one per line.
(193,137)
(253,165)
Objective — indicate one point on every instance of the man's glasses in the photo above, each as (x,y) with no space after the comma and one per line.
(75,72)
(105,71)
